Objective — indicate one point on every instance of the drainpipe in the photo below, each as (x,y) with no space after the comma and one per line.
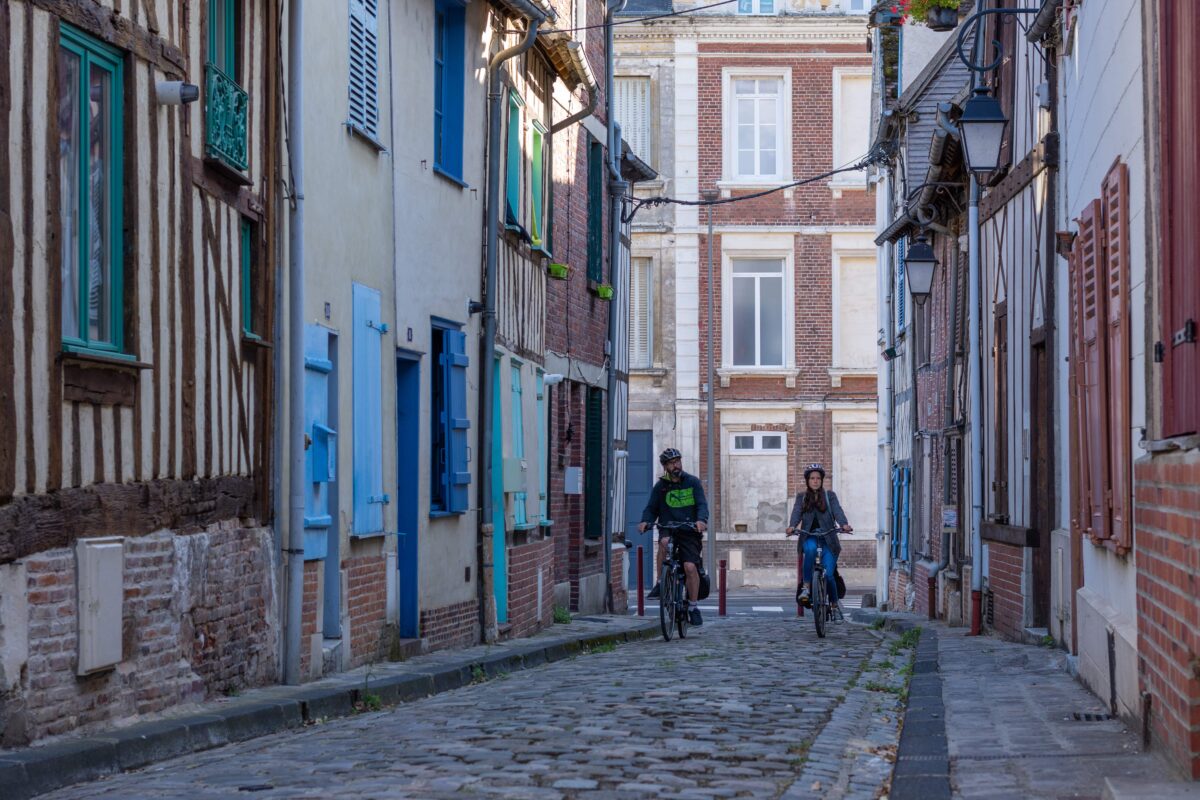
(575,49)
(617,188)
(975,370)
(883,550)
(535,17)
(295,440)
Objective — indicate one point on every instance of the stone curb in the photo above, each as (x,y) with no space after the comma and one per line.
(38,770)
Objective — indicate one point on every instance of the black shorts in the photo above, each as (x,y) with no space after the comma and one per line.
(690,547)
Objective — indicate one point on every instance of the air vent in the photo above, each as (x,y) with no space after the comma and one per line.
(1086,716)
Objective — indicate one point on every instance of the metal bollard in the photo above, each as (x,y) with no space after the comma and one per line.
(641,585)
(799,581)
(721,589)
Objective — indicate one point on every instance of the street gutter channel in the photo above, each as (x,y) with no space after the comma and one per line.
(922,769)
(274,709)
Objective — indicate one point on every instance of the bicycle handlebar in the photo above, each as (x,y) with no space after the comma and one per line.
(797,532)
(678,526)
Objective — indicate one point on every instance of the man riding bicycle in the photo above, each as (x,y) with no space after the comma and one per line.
(814,517)
(678,497)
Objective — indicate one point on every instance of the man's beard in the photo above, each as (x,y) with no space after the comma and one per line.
(675,473)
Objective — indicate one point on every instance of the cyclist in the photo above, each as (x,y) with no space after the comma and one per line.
(678,497)
(817,509)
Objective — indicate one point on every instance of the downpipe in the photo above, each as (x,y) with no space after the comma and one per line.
(975,361)
(487,605)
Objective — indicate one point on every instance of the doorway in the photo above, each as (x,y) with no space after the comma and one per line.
(408,453)
(638,483)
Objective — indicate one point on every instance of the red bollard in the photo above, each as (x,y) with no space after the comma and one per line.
(641,585)
(721,590)
(799,582)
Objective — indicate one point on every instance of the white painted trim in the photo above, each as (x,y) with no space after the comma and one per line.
(733,431)
(845,180)
(784,126)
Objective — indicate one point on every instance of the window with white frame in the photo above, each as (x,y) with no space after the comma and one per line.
(756,6)
(755,312)
(854,313)
(758,442)
(851,122)
(641,314)
(855,6)
(756,127)
(632,95)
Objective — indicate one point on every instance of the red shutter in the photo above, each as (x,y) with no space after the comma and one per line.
(1095,366)
(1116,251)
(1179,26)
(1078,407)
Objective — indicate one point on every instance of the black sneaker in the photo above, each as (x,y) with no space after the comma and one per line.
(694,617)
(805,598)
(655,592)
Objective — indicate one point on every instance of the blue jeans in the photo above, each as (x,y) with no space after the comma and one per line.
(828,560)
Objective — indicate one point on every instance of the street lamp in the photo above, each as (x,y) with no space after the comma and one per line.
(982,131)
(710,196)
(919,264)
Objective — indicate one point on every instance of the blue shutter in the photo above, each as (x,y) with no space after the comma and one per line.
(455,355)
(901,322)
(320,461)
(364,66)
(369,497)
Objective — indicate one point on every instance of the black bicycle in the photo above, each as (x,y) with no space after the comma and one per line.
(673,597)
(822,608)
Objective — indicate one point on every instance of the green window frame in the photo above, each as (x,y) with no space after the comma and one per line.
(514,162)
(224,17)
(520,518)
(539,224)
(595,212)
(226,103)
(91,162)
(246,241)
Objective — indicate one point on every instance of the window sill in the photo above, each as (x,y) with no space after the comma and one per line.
(839,188)
(649,372)
(128,361)
(728,187)
(450,177)
(252,343)
(726,374)
(101,380)
(527,526)
(519,232)
(366,138)
(1173,444)
(444,514)
(546,523)
(837,375)
(227,172)
(371,535)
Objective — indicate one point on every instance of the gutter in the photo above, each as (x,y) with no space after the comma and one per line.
(1044,21)
(584,71)
(535,14)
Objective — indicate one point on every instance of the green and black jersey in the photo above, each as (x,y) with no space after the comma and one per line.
(681,501)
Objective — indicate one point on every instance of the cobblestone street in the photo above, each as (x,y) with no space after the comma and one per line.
(735,710)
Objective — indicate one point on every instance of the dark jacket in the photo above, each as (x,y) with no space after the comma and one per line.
(676,502)
(803,520)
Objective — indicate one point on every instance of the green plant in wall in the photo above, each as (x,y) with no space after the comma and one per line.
(604,291)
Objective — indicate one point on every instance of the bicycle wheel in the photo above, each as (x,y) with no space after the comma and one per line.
(681,607)
(666,602)
(820,603)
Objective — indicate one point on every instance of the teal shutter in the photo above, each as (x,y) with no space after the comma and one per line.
(595,212)
(369,497)
(321,457)
(512,192)
(593,466)
(364,66)
(455,372)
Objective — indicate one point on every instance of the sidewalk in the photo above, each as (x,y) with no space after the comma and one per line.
(35,770)
(1002,720)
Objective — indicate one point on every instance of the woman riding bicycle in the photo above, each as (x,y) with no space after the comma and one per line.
(814,517)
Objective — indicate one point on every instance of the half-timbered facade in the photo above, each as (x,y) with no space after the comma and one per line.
(136,412)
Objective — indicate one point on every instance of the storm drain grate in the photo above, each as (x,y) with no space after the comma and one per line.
(1086,716)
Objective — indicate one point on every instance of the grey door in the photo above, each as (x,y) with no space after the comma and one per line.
(639,480)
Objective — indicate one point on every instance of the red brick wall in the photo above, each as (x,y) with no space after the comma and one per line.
(1005,568)
(1167,553)
(451,626)
(898,583)
(366,584)
(620,594)
(309,606)
(525,563)
(196,622)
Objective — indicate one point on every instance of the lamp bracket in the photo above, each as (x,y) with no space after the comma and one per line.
(973,21)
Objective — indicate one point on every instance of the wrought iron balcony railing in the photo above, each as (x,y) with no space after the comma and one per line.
(225,105)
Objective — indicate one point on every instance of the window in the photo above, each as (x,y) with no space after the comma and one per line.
(756,6)
(595,212)
(756,312)
(852,123)
(855,6)
(518,440)
(593,465)
(449,59)
(225,102)
(543,431)
(633,113)
(364,67)
(641,314)
(514,164)
(249,278)
(450,472)
(756,119)
(537,189)
(769,443)
(854,313)
(91,139)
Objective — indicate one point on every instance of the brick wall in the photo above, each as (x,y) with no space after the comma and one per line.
(366,584)
(198,619)
(1005,568)
(309,606)
(898,584)
(526,563)
(620,593)
(451,626)
(1167,553)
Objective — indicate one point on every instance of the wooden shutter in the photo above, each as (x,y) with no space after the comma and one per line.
(639,314)
(1079,443)
(1116,271)
(593,465)
(458,423)
(595,213)
(1094,364)
(1179,26)
(364,66)
(369,496)
(1000,431)
(633,113)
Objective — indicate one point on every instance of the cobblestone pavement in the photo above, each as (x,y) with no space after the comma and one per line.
(735,710)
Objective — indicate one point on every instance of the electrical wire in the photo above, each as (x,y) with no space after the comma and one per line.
(643,19)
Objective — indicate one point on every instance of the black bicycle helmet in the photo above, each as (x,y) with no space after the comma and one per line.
(670,454)
(817,468)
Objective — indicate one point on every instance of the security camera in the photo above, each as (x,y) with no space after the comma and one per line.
(176,93)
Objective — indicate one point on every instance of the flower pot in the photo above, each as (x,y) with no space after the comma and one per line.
(941,19)
(558,271)
(604,292)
